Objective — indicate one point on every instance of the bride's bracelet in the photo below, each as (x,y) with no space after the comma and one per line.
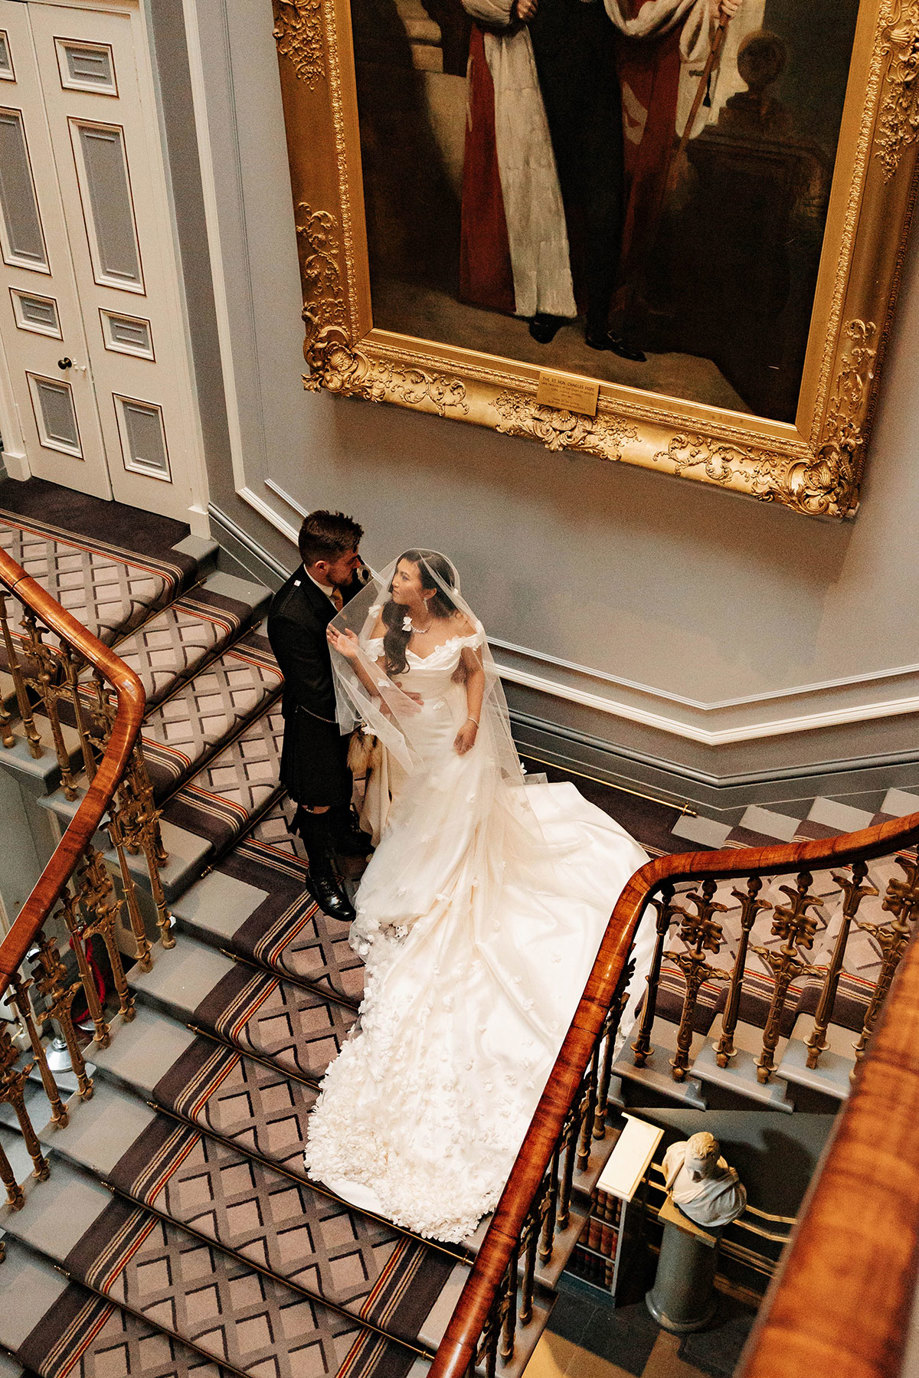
(475,720)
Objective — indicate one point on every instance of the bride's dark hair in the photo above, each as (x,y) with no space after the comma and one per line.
(435,572)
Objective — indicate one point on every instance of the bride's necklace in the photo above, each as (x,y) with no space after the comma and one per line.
(409,626)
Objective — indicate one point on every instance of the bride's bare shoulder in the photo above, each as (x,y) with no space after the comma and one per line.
(379,629)
(464,625)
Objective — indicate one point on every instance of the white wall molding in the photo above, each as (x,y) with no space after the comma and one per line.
(722,722)
(632,709)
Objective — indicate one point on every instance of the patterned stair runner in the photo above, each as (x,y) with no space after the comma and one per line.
(110,591)
(301,1235)
(254,904)
(202,1296)
(182,732)
(81,1335)
(296,1028)
(237,784)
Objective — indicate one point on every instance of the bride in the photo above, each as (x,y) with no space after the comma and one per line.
(478,917)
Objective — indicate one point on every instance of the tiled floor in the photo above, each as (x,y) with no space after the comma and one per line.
(590,1338)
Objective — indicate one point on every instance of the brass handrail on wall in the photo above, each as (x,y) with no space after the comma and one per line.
(488,1302)
(73,683)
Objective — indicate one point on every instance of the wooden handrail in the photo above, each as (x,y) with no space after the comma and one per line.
(841,1301)
(462,1335)
(129,715)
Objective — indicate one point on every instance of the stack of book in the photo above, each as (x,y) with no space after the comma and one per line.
(594,1257)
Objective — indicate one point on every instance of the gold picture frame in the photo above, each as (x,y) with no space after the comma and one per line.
(812,465)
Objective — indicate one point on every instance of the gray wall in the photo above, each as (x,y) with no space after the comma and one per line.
(683,592)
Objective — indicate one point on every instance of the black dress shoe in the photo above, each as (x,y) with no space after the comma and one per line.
(605,339)
(324,889)
(544,328)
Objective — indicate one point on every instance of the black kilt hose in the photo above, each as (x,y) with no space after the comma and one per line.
(314,765)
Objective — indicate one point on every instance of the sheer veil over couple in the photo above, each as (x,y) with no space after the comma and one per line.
(478,917)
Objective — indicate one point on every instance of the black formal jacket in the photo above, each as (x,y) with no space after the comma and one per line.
(314,756)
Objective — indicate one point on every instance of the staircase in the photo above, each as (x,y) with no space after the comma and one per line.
(177,1232)
(164,1223)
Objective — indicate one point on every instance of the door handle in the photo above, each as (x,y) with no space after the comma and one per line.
(65,363)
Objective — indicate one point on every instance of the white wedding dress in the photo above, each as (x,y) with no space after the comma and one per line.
(479,918)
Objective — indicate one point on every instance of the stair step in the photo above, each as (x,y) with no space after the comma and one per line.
(222,799)
(252,1105)
(258,1110)
(110,591)
(53,1326)
(296,1029)
(184,731)
(300,1234)
(203,1297)
(172,646)
(255,904)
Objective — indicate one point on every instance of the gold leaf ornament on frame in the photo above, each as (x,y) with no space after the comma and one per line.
(298,33)
(335,364)
(561,430)
(898,123)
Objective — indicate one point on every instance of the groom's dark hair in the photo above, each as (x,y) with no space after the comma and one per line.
(326,535)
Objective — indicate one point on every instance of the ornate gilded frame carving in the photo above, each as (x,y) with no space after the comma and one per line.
(813,466)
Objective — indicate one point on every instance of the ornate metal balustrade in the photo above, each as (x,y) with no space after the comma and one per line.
(819,945)
(66,682)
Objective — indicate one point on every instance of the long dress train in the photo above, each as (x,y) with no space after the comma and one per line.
(479,918)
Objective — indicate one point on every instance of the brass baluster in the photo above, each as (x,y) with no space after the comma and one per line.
(664,906)
(488,1344)
(902,900)
(33,1024)
(529,1243)
(97,898)
(796,926)
(15,1198)
(12,1092)
(76,929)
(568,1139)
(608,1043)
(750,907)
(33,736)
(507,1308)
(139,819)
(49,974)
(72,665)
(547,1242)
(46,679)
(129,889)
(587,1108)
(7,735)
(699,932)
(855,892)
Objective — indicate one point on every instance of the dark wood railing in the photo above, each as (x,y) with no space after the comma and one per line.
(489,1297)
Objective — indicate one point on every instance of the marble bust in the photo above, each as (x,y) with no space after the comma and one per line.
(700,1182)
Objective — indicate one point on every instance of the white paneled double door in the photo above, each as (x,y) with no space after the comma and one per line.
(94,346)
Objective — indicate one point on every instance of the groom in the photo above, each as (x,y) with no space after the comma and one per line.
(314,758)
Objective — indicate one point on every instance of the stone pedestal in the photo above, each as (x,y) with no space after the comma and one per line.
(683,1297)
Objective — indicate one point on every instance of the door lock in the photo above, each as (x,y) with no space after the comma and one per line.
(65,363)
